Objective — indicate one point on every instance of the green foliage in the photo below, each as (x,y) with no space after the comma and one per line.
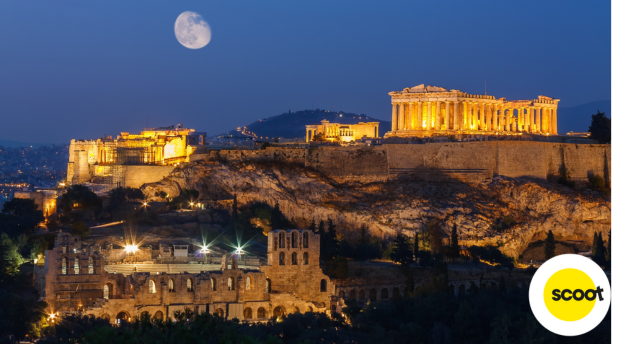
(20,216)
(401,250)
(597,183)
(549,246)
(320,137)
(599,252)
(10,259)
(161,194)
(79,229)
(185,198)
(491,254)
(18,316)
(79,197)
(600,127)
(565,177)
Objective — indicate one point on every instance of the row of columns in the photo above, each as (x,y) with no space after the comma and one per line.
(428,115)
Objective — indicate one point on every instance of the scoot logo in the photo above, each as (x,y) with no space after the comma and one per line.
(569,295)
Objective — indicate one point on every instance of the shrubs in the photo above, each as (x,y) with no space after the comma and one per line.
(597,183)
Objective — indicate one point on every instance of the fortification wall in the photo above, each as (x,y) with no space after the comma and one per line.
(136,175)
(507,158)
(349,161)
(290,155)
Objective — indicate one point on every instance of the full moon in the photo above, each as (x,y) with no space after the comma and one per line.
(192,31)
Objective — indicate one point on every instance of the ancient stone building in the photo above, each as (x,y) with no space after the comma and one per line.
(336,132)
(44,199)
(429,110)
(150,156)
(74,279)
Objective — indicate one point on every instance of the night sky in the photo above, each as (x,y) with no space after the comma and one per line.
(84,69)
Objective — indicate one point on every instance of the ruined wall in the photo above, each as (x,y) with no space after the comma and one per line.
(290,155)
(136,175)
(349,161)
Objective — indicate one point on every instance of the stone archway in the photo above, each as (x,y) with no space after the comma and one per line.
(278,312)
(122,317)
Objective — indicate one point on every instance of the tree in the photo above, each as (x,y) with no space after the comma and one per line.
(401,250)
(454,247)
(79,229)
(313,226)
(79,197)
(278,220)
(10,259)
(320,137)
(549,246)
(599,252)
(600,127)
(416,246)
(436,239)
(20,215)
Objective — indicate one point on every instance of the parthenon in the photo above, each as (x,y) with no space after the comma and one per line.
(429,110)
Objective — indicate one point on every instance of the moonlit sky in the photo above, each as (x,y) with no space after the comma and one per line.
(84,69)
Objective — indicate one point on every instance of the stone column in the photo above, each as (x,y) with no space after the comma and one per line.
(555,121)
(476,116)
(526,120)
(447,116)
(406,116)
(419,123)
(429,115)
(465,115)
(509,119)
(455,121)
(410,117)
(483,108)
(539,117)
(438,116)
(394,117)
(519,118)
(495,124)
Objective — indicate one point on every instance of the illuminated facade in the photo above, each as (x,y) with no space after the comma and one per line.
(429,110)
(154,146)
(336,132)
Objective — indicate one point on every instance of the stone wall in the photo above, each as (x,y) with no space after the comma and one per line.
(136,175)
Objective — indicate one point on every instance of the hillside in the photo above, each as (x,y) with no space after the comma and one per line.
(578,118)
(292,124)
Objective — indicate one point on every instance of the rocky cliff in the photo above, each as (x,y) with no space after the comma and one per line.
(508,212)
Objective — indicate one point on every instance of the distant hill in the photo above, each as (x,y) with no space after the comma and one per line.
(292,124)
(578,118)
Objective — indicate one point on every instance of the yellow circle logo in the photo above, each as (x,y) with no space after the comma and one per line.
(570,294)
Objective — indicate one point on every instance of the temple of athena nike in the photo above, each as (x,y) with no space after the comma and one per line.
(429,110)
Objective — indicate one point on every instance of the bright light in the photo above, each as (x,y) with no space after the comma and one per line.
(204,249)
(131,248)
(191,203)
(239,250)
(145,204)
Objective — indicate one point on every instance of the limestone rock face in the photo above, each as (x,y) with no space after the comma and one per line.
(507,212)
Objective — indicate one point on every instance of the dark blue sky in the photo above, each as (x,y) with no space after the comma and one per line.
(82,69)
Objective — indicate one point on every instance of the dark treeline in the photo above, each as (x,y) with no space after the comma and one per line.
(487,316)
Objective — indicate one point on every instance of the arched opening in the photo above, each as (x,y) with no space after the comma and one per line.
(384,294)
(260,313)
(305,258)
(122,317)
(64,266)
(305,239)
(105,316)
(145,315)
(396,292)
(76,265)
(310,309)
(231,283)
(461,289)
(171,285)
(219,313)
(372,295)
(158,315)
(278,312)
(108,289)
(341,294)
(91,266)
(281,239)
(268,285)
(247,313)
(213,284)
(296,309)
(323,286)
(152,289)
(362,295)
(294,239)
(190,285)
(294,258)
(353,294)
(249,283)
(282,258)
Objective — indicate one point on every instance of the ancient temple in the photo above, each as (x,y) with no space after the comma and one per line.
(337,132)
(429,110)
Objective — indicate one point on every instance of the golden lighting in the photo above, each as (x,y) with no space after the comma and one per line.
(145,204)
(131,248)
(204,249)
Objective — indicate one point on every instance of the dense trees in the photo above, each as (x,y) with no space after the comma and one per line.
(600,127)
(20,216)
(599,252)
(401,250)
(79,197)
